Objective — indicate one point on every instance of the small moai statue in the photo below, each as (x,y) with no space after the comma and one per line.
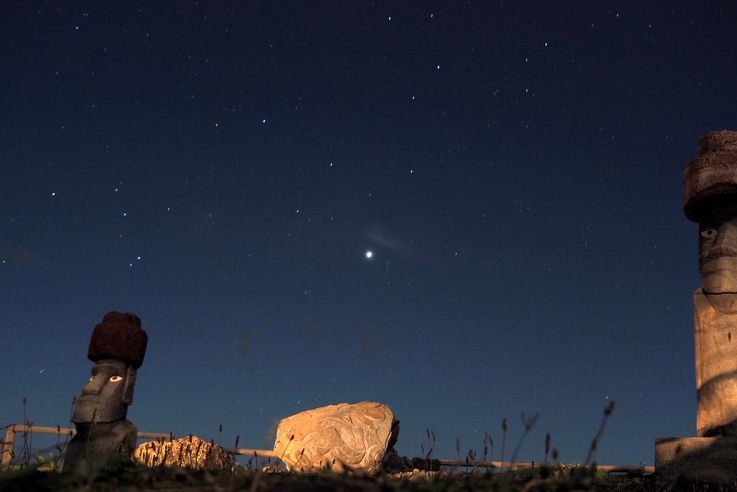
(710,199)
(103,435)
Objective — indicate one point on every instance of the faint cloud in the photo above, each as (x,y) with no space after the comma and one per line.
(214,219)
(309,331)
(186,316)
(23,259)
(373,345)
(245,343)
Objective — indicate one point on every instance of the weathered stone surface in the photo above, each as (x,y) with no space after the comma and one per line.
(120,337)
(713,173)
(696,460)
(710,198)
(187,452)
(715,340)
(344,436)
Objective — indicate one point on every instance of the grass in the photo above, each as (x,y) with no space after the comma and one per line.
(139,477)
(41,472)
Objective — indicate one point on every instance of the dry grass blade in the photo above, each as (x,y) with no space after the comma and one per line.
(505,427)
(528,423)
(608,411)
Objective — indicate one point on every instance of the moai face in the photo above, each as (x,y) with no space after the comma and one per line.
(718,249)
(105,398)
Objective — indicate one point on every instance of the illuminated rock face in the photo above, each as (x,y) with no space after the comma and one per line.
(187,452)
(344,436)
(710,199)
(716,368)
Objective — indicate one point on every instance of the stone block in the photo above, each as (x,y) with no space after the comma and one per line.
(692,460)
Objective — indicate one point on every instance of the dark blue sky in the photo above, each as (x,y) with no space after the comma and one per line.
(222,168)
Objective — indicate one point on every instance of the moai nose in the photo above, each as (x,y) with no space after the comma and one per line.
(726,236)
(93,387)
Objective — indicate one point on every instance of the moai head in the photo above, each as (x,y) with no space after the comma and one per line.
(117,348)
(710,199)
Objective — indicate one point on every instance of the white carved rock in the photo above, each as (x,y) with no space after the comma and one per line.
(187,452)
(340,437)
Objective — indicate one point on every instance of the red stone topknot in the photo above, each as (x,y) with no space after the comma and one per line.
(119,336)
(712,175)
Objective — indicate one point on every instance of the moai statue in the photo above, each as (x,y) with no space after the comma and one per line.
(710,199)
(104,437)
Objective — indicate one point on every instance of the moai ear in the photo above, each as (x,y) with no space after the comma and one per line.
(130,382)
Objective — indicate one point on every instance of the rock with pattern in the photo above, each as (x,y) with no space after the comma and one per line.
(187,452)
(339,437)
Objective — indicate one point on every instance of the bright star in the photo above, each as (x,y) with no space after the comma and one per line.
(369,254)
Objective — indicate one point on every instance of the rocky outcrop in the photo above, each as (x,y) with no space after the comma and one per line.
(338,437)
(187,452)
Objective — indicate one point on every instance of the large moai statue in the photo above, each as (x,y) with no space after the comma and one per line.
(103,435)
(710,199)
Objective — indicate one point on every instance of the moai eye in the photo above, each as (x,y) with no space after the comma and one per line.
(115,379)
(708,233)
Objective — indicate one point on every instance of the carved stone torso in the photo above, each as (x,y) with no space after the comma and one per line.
(716,367)
(100,445)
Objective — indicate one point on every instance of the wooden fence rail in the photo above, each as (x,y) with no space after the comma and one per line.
(6,450)
(7,445)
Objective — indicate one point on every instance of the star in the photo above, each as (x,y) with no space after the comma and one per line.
(369,254)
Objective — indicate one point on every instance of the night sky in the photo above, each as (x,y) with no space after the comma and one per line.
(465,210)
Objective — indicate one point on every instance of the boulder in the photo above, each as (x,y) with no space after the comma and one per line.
(187,452)
(339,437)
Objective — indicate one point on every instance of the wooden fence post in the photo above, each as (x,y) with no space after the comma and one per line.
(7,445)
